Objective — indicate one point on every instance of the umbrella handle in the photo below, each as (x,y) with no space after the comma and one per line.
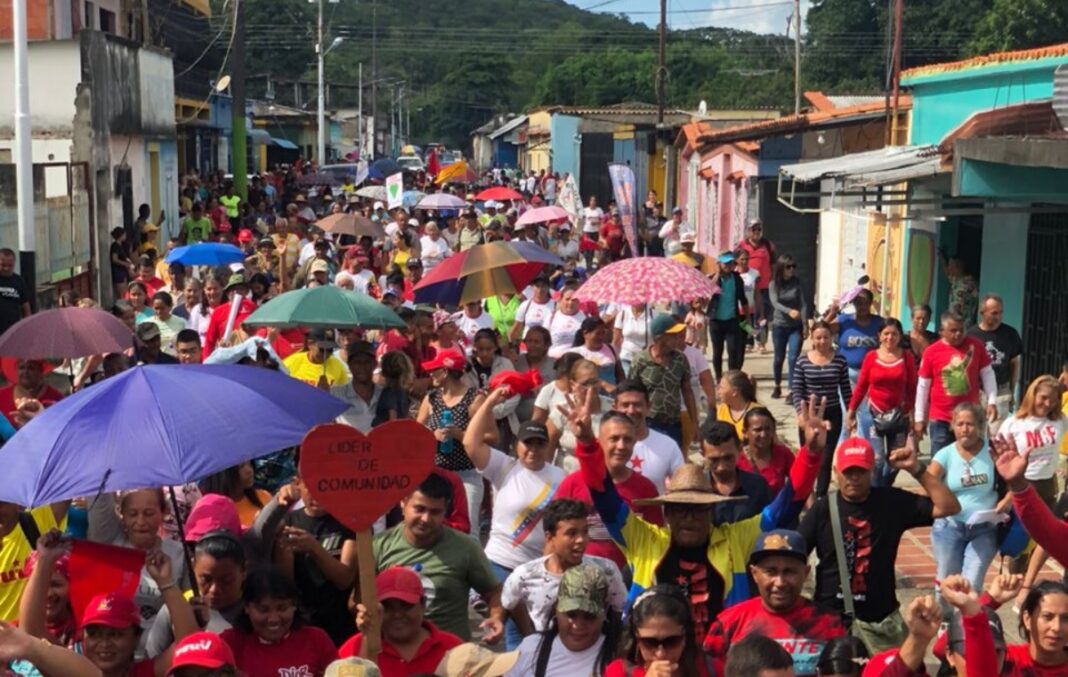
(185,551)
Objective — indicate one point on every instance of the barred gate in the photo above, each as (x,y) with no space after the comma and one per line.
(1045,323)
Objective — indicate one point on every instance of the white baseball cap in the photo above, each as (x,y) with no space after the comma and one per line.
(379,205)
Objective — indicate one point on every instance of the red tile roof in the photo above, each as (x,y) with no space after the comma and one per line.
(800,122)
(1052,51)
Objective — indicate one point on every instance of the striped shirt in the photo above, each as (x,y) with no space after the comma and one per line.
(822,380)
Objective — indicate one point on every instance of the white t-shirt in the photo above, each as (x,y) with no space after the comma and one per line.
(563,328)
(360,414)
(361,281)
(1043,437)
(549,397)
(698,364)
(562,661)
(656,457)
(534,586)
(567,250)
(533,314)
(469,326)
(521,496)
(432,252)
(635,331)
(591,219)
(749,279)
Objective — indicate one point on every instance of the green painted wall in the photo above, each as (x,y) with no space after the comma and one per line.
(1005,262)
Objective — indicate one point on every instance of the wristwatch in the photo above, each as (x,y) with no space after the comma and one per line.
(921,468)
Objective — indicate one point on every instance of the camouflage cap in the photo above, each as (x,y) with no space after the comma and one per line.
(352,667)
(583,588)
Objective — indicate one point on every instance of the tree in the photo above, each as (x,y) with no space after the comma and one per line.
(1021,24)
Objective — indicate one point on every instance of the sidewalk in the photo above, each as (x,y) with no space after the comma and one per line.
(915,563)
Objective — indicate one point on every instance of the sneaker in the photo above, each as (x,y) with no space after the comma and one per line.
(776,393)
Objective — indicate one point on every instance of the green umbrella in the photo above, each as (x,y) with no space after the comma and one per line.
(325,307)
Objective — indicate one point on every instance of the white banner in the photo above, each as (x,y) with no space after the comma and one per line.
(568,199)
(395,190)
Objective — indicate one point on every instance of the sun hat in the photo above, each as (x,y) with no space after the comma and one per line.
(687,238)
(352,667)
(319,266)
(235,280)
(689,486)
(473,660)
(202,650)
(148,331)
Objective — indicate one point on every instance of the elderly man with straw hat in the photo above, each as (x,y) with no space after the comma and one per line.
(707,560)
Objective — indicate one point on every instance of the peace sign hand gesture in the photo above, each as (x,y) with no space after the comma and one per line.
(578,417)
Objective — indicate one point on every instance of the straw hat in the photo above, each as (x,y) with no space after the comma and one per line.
(689,486)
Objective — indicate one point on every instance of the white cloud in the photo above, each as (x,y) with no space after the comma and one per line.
(742,15)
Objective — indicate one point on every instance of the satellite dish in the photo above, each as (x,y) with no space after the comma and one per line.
(222,84)
(702,107)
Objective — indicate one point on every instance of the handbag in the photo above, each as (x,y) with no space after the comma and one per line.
(889,423)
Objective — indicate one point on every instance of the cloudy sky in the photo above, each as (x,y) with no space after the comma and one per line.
(760,16)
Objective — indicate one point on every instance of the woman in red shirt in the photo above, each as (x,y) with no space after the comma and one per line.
(659,639)
(888,380)
(762,453)
(270,638)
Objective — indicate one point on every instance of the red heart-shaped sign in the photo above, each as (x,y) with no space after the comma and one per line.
(357,478)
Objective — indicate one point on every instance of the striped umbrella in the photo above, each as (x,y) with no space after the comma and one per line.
(647,279)
(483,271)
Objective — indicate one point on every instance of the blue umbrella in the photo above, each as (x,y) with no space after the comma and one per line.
(206,254)
(383,168)
(151,426)
(410,198)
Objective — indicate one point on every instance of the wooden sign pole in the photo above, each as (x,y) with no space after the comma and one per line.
(372,630)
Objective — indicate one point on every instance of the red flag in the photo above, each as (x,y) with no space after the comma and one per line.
(97,569)
(432,166)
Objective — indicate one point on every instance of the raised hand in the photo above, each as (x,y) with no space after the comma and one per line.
(1005,587)
(905,457)
(811,420)
(1011,464)
(923,618)
(577,415)
(52,545)
(958,591)
(158,565)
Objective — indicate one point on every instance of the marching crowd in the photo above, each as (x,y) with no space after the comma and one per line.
(606,499)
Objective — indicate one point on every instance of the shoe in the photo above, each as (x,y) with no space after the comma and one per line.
(776,393)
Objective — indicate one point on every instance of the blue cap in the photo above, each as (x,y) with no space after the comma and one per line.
(665,324)
(779,542)
(726,257)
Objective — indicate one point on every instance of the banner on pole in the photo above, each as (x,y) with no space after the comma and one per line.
(568,199)
(395,190)
(623,186)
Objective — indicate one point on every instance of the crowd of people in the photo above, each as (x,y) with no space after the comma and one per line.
(634,510)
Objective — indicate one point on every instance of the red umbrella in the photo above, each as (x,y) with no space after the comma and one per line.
(66,332)
(498,193)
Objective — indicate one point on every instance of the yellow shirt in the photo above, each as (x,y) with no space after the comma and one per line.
(13,555)
(303,369)
(231,204)
(723,413)
(1064,409)
(689,260)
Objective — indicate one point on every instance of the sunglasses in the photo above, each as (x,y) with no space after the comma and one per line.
(790,266)
(653,644)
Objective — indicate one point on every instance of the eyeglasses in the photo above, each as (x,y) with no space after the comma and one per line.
(653,644)
(790,266)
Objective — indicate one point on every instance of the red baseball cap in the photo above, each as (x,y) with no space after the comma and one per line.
(244,235)
(112,611)
(399,583)
(855,452)
(213,512)
(446,359)
(202,650)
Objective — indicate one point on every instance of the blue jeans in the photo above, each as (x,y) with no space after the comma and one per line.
(512,636)
(787,343)
(962,549)
(941,436)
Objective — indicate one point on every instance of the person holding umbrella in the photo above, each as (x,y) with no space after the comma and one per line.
(316,365)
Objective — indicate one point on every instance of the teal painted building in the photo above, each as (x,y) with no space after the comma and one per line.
(1019,180)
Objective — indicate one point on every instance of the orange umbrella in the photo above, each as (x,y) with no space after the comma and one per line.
(458,172)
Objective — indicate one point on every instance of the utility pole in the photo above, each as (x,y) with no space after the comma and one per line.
(24,153)
(899,13)
(661,68)
(239,148)
(797,57)
(321,110)
(374,78)
(359,115)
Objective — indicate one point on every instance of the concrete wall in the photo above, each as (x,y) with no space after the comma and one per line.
(55,71)
(1004,264)
(566,144)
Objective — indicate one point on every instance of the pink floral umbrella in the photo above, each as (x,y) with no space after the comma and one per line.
(646,279)
(543,215)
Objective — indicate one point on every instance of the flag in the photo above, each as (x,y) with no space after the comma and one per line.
(432,166)
(395,190)
(97,569)
(362,171)
(624,188)
(568,199)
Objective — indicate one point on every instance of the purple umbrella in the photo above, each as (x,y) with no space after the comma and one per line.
(440,201)
(151,427)
(66,332)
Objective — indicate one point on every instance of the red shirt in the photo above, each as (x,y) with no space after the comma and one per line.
(775,472)
(426,658)
(887,386)
(303,653)
(146,668)
(619,668)
(152,285)
(761,257)
(803,631)
(217,323)
(954,373)
(635,487)
(47,398)
(612,236)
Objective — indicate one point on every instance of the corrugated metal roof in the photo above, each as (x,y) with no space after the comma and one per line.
(850,100)
(871,167)
(508,126)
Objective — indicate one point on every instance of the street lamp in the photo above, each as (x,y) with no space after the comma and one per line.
(321,53)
